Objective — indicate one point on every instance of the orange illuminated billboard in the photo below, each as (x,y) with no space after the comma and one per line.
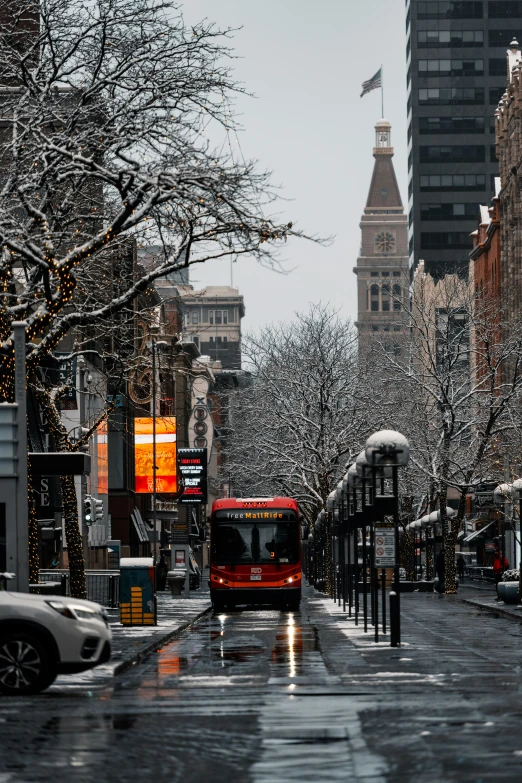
(166,479)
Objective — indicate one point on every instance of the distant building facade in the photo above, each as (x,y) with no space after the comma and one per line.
(382,267)
(212,320)
(509,150)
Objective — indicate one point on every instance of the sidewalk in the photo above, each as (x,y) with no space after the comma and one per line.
(444,707)
(485,599)
(130,644)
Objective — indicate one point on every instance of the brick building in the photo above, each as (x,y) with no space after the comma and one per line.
(508,119)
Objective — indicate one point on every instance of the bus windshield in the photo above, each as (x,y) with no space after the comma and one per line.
(254,539)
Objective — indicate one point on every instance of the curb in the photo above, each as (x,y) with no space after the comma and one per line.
(499,612)
(140,655)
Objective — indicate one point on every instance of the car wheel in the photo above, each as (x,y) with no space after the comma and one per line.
(26,665)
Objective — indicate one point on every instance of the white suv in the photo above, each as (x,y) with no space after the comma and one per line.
(43,636)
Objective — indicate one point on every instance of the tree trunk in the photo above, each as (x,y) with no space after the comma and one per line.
(73,536)
(34,548)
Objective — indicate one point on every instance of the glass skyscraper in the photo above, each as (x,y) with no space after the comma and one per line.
(456,58)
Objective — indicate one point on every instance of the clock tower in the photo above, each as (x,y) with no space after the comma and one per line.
(382,268)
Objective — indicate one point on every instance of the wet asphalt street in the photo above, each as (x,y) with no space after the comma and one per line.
(268,696)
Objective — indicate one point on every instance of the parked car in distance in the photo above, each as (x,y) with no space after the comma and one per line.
(43,636)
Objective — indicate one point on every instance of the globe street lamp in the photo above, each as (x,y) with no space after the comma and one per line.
(387,450)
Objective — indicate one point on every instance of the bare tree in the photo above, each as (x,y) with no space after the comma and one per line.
(299,420)
(460,391)
(108,112)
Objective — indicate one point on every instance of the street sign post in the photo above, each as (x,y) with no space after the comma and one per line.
(385,554)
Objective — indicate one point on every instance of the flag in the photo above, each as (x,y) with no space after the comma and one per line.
(372,84)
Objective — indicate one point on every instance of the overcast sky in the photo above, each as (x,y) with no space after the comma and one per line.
(305,61)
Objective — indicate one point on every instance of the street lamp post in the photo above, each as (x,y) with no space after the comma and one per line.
(516,488)
(154,348)
(503,496)
(387,450)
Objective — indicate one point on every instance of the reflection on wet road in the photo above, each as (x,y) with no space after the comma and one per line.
(243,694)
(265,696)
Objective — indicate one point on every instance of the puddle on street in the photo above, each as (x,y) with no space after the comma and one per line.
(294,647)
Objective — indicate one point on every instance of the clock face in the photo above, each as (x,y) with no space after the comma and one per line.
(384,242)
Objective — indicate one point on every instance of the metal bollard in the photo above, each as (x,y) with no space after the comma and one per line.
(395,629)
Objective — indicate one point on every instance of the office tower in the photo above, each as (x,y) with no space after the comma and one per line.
(456,58)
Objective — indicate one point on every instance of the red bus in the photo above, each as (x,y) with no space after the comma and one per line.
(255,552)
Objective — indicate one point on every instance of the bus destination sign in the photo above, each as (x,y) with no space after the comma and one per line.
(192,466)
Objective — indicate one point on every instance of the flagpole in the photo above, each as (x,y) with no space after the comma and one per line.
(382,91)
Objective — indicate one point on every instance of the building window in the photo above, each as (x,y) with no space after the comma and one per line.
(225,339)
(451,67)
(502,38)
(211,339)
(374,298)
(493,154)
(497,66)
(375,328)
(374,274)
(445,240)
(504,9)
(225,316)
(468,211)
(195,340)
(445,182)
(447,125)
(211,316)
(469,153)
(385,274)
(396,274)
(195,317)
(450,38)
(218,339)
(386,298)
(396,297)
(446,9)
(218,317)
(464,96)
(495,95)
(396,328)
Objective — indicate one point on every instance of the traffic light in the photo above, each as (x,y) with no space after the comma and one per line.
(87,510)
(98,508)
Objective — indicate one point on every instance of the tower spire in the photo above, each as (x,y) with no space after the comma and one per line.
(384,194)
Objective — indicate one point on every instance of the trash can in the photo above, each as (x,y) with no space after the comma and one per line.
(137,591)
(176,581)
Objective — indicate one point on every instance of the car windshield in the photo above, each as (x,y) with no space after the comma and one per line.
(252,541)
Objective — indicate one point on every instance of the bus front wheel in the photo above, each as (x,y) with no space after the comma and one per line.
(218,604)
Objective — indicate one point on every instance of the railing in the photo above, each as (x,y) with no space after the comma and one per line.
(484,573)
(103,587)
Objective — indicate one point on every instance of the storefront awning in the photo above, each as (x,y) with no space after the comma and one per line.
(139,526)
(477,533)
